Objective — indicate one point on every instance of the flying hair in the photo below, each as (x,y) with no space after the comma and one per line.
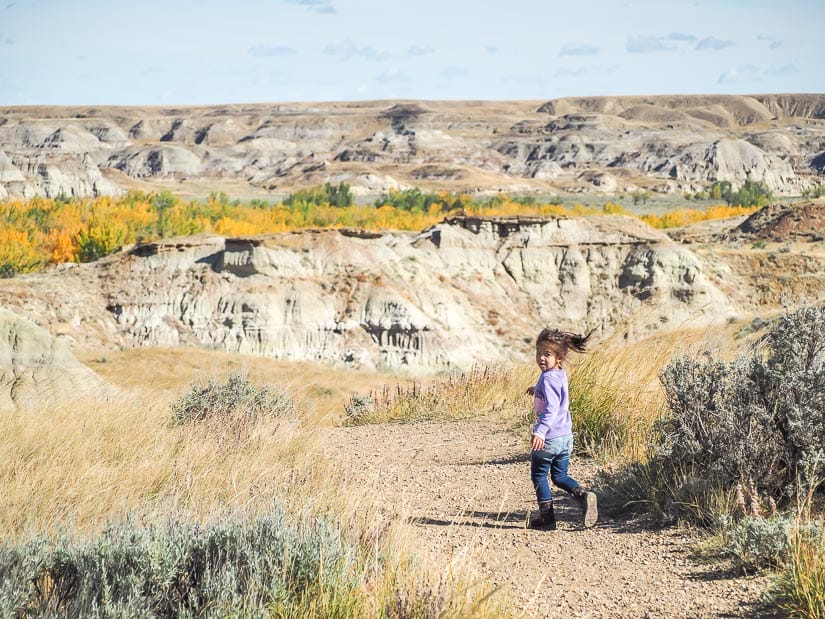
(561,342)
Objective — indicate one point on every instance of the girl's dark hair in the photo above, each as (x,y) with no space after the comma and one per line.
(563,341)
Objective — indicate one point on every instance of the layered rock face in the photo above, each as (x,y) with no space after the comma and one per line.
(36,367)
(603,144)
(462,292)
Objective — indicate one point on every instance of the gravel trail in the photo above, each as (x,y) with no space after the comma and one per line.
(467,484)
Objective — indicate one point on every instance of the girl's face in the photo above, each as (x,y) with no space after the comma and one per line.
(546,357)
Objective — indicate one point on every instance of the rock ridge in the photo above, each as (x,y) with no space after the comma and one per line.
(463,290)
(582,144)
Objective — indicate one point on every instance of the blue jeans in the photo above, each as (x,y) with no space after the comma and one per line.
(553,459)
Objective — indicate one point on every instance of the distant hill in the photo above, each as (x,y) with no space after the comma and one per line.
(580,144)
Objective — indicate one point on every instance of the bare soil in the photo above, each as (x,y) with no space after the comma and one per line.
(465,487)
(782,223)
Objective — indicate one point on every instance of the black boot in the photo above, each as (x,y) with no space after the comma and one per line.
(546,518)
(587,501)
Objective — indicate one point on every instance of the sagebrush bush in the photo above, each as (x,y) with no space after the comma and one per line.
(237,398)
(756,422)
(262,567)
(792,385)
(715,424)
(757,543)
(758,419)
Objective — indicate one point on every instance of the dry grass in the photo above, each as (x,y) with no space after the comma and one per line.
(77,468)
(480,391)
(121,451)
(615,392)
(802,585)
(616,396)
(93,461)
(321,390)
(800,588)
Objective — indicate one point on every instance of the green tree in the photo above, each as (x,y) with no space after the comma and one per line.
(752,193)
(339,195)
(413,200)
(721,190)
(640,196)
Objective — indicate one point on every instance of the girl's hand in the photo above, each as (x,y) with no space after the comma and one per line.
(531,390)
(536,443)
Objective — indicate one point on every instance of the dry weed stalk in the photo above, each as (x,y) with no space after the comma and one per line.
(748,502)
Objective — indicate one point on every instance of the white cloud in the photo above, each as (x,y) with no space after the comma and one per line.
(393,75)
(270,50)
(453,72)
(531,80)
(578,49)
(420,50)
(317,6)
(646,44)
(787,69)
(346,49)
(714,43)
(773,42)
(744,74)
(741,75)
(586,70)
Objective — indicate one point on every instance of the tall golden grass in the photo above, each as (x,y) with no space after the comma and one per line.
(800,587)
(73,469)
(615,392)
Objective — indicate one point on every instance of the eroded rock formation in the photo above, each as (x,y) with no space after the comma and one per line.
(36,367)
(464,291)
(602,144)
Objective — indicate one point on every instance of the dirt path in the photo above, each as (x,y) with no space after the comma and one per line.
(468,484)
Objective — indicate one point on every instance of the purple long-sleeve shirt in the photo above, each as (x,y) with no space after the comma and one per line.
(551,405)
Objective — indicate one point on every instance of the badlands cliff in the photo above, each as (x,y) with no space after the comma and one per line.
(464,291)
(601,144)
(35,366)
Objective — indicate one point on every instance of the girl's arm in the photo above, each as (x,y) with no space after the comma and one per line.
(552,388)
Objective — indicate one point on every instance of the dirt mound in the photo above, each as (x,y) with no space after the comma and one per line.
(780,222)
(36,367)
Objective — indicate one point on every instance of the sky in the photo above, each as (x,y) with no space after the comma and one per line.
(185,52)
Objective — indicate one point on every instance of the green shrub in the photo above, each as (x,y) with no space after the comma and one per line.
(360,405)
(751,193)
(324,195)
(758,543)
(235,399)
(412,199)
(759,418)
(264,567)
(817,191)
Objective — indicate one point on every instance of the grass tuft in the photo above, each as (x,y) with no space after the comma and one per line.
(482,390)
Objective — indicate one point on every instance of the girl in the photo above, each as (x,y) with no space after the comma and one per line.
(552,440)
